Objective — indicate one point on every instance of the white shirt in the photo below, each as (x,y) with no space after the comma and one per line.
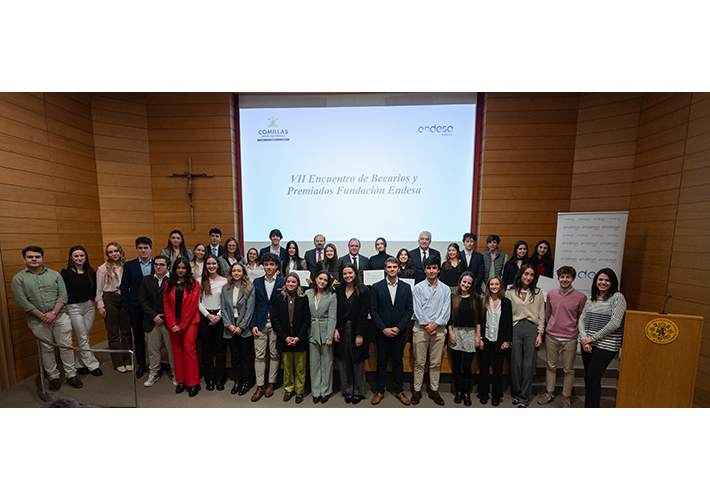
(214,250)
(468,257)
(392,288)
(493,321)
(269,285)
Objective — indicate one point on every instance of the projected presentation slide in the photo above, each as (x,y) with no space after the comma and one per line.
(357,171)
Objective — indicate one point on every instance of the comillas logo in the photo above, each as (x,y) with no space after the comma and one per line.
(436,129)
(272,132)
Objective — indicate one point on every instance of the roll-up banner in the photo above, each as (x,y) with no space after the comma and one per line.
(590,241)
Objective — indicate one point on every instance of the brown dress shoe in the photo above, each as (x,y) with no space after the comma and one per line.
(377,398)
(434,395)
(416,397)
(269,391)
(257,394)
(402,398)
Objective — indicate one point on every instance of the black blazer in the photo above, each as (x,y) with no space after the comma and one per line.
(361,307)
(363,264)
(310,257)
(386,315)
(505,327)
(283,267)
(282,252)
(150,297)
(477,267)
(131,282)
(281,323)
(415,256)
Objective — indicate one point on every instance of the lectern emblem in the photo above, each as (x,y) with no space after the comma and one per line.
(661,331)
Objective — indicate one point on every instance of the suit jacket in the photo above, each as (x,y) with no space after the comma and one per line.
(386,315)
(224,265)
(245,310)
(263,305)
(324,318)
(282,252)
(220,250)
(150,297)
(283,328)
(301,266)
(415,256)
(477,267)
(131,282)
(363,264)
(361,307)
(505,324)
(190,308)
(310,257)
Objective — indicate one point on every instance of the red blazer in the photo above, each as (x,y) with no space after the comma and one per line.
(190,307)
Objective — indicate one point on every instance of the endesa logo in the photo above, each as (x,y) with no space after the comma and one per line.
(436,129)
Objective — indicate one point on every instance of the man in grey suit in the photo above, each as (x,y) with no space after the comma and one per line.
(150,298)
(360,262)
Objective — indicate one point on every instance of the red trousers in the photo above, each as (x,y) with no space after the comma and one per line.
(186,367)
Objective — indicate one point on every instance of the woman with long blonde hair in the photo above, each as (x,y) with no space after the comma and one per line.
(108,302)
(238,301)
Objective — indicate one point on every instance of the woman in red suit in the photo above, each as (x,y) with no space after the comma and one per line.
(182,318)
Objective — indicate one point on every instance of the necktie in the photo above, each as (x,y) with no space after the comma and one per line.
(424,257)
(319,257)
(354,262)
(214,251)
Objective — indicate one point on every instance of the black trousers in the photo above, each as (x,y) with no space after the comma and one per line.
(242,353)
(390,348)
(461,363)
(595,364)
(135,314)
(486,357)
(214,351)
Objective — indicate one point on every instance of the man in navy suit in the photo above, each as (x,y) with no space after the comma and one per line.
(420,254)
(214,248)
(267,289)
(474,260)
(133,272)
(315,255)
(275,236)
(391,308)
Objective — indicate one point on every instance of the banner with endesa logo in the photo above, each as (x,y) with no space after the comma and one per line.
(590,241)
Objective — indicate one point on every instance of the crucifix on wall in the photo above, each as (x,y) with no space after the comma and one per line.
(189,176)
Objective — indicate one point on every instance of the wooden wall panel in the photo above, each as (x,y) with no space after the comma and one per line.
(50,196)
(526,166)
(197,127)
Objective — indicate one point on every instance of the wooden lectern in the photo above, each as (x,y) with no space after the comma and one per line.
(659,360)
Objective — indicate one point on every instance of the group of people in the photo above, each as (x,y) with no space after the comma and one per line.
(255,304)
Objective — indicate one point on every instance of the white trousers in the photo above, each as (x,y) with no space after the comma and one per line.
(82,317)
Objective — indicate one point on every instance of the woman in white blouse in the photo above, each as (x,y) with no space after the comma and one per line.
(108,302)
(214,352)
(601,329)
(254,268)
(198,260)
(528,329)
(493,338)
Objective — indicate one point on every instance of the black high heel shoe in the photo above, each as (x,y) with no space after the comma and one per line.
(194,390)
(180,388)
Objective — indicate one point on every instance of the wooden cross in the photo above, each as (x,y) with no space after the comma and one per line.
(189,176)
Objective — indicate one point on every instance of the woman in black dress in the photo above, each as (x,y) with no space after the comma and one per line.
(452,267)
(406,269)
(520,257)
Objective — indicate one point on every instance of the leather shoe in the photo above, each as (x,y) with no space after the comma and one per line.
(288,396)
(466,399)
(219,386)
(436,397)
(299,399)
(235,389)
(458,398)
(377,398)
(356,399)
(194,390)
(348,399)
(257,394)
(97,372)
(75,383)
(316,400)
(180,388)
(402,398)
(55,384)
(82,371)
(323,399)
(496,402)
(416,397)
(209,385)
(140,371)
(244,389)
(269,391)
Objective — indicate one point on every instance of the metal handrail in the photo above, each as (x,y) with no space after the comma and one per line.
(80,349)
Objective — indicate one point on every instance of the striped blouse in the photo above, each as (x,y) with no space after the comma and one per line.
(603,322)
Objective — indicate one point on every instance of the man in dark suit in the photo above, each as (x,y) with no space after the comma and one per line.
(420,254)
(214,248)
(360,262)
(474,260)
(315,255)
(150,298)
(391,308)
(275,236)
(267,289)
(133,272)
